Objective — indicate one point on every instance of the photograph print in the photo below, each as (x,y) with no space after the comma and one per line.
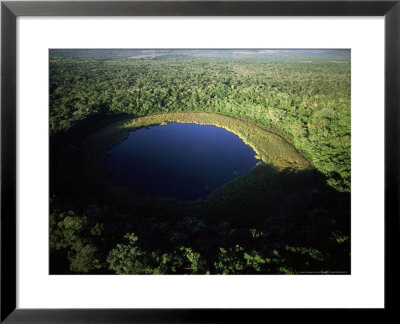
(200,161)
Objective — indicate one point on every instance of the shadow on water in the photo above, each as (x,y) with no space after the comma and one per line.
(262,193)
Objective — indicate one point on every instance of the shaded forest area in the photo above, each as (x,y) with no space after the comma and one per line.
(271,221)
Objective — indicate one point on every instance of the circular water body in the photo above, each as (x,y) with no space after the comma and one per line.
(183,161)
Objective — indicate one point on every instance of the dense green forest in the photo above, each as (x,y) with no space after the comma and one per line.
(274,220)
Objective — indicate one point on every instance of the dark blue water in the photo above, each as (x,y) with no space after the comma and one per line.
(184,161)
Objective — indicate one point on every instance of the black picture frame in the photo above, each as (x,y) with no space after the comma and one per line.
(10,10)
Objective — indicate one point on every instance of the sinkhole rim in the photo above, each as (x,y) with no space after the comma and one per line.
(96,146)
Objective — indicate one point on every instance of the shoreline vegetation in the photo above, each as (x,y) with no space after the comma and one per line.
(288,215)
(269,147)
(266,143)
